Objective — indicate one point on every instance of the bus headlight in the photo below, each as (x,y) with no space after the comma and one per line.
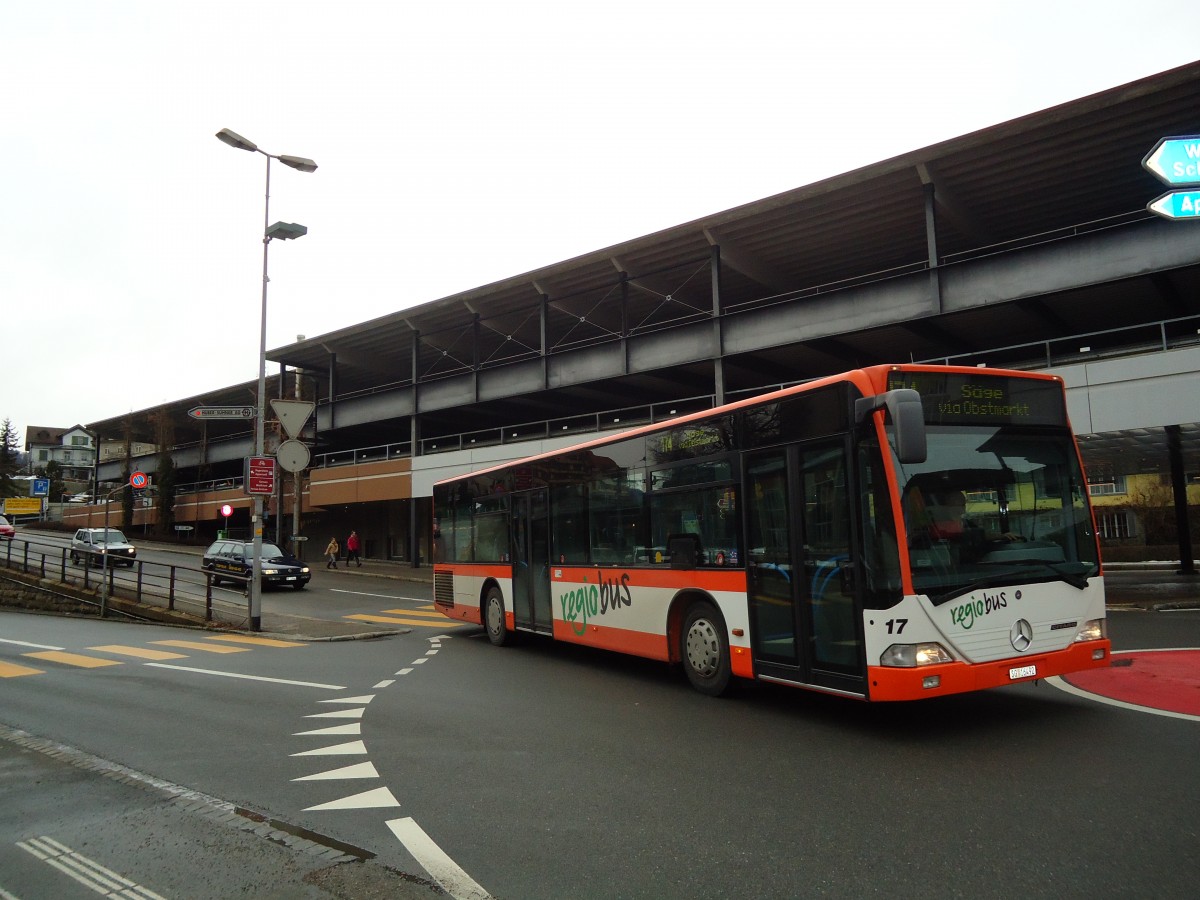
(1093,630)
(909,656)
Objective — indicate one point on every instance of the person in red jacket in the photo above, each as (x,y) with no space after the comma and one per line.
(352,550)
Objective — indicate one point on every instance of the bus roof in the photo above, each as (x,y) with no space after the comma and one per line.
(870,380)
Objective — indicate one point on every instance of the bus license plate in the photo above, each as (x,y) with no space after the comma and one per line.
(1022,672)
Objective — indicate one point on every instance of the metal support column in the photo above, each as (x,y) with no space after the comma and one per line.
(543,329)
(931,247)
(1179,491)
(718,334)
(414,437)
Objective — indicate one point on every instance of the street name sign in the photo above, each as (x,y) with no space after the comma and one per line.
(1175,160)
(1177,205)
(222,412)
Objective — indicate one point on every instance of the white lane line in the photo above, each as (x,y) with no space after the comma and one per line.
(353,728)
(384,596)
(445,871)
(404,671)
(86,871)
(339,714)
(351,748)
(312,684)
(5,895)
(27,644)
(388,683)
(1056,681)
(365,698)
(379,798)
(358,770)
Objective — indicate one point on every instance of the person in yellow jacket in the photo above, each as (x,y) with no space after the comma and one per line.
(331,553)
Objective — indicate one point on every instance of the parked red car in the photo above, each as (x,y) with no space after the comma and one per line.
(7,532)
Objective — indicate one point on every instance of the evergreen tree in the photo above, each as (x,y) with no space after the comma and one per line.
(10,459)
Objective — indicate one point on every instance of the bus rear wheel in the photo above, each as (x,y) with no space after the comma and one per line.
(704,649)
(493,617)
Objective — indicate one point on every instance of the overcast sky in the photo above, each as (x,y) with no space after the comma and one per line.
(459,143)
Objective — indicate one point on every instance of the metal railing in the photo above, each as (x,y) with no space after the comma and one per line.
(1149,337)
(161,586)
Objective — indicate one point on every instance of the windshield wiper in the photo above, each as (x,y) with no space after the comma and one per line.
(1074,579)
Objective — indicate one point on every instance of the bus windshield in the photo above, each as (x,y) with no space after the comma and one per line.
(995,505)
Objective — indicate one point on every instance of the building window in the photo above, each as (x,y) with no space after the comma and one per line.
(1114,525)
(1115,485)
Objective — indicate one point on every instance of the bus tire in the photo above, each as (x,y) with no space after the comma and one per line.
(494,622)
(704,649)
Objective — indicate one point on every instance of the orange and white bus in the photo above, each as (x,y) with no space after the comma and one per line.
(891,533)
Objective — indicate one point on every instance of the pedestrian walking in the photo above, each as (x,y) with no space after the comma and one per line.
(352,550)
(331,553)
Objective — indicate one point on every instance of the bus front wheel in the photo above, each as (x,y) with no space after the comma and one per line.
(704,649)
(493,617)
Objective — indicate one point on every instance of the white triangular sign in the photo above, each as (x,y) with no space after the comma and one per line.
(293,414)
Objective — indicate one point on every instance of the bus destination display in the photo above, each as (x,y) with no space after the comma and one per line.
(951,398)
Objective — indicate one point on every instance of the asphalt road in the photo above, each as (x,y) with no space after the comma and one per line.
(375,767)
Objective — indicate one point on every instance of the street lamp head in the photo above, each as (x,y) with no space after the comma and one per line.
(286,231)
(298,162)
(233,139)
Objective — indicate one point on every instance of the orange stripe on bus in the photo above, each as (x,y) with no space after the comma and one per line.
(636,643)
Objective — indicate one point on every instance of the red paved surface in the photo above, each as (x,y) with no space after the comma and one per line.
(1160,679)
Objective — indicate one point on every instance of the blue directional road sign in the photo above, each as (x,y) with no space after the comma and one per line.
(1177,205)
(1175,160)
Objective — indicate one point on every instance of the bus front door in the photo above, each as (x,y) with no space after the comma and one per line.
(804,614)
(531,561)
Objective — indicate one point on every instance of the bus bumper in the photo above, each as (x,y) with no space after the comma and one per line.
(893,683)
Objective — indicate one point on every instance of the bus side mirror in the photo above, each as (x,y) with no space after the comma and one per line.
(908,420)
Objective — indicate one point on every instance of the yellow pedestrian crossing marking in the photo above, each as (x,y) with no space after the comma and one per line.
(205,648)
(12,670)
(73,659)
(139,652)
(258,641)
(423,617)
(420,623)
(363,617)
(80,660)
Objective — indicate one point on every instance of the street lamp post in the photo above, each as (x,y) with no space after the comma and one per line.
(283,231)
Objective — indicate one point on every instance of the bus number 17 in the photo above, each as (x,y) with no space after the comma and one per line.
(896,626)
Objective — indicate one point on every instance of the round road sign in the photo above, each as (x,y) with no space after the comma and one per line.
(293,456)
(138,480)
